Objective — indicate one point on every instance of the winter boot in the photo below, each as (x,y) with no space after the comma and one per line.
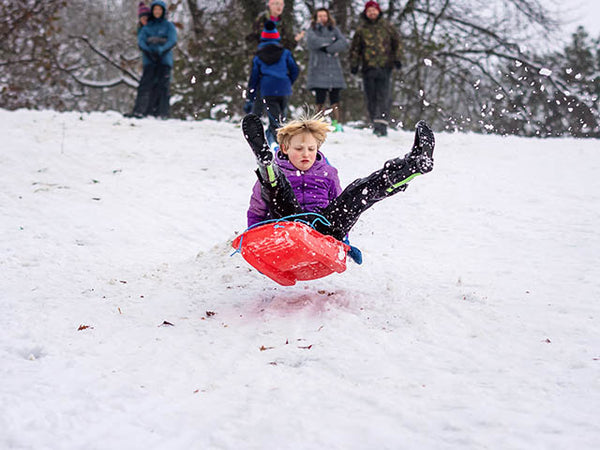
(380,127)
(421,154)
(419,160)
(254,133)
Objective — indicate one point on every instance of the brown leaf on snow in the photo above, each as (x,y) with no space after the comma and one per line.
(263,348)
(84,327)
(166,324)
(308,347)
(210,313)
(548,341)
(327,293)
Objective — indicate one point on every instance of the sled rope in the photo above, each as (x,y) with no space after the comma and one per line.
(291,218)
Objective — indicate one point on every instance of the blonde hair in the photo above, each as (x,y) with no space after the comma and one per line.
(315,125)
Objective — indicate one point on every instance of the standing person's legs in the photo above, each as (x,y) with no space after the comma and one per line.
(334,101)
(369,86)
(141,107)
(320,97)
(275,107)
(163,81)
(284,102)
(258,106)
(382,99)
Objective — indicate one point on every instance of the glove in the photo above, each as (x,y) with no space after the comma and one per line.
(248,106)
(354,252)
(354,70)
(398,64)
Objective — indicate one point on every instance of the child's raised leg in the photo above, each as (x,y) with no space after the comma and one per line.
(276,189)
(344,211)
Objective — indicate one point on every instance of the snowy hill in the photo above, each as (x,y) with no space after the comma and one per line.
(472,323)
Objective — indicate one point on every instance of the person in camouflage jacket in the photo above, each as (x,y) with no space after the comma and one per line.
(376,49)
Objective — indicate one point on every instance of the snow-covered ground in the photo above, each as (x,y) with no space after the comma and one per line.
(474,321)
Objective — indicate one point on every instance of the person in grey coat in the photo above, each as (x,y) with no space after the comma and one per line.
(325,41)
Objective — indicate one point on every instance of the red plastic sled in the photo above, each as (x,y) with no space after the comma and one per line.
(287,252)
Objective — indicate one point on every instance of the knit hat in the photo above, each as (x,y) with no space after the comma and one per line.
(372,4)
(270,34)
(143,10)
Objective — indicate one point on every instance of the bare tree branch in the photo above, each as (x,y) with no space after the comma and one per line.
(107,58)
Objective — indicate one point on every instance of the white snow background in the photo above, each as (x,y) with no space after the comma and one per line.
(473,322)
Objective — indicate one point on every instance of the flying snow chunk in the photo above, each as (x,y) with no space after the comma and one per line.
(499,97)
(208,70)
(427,62)
(545,72)
(193,80)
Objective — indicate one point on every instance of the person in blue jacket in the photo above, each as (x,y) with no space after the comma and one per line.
(142,99)
(156,40)
(274,71)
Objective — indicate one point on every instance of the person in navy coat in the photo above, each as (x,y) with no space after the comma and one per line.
(274,71)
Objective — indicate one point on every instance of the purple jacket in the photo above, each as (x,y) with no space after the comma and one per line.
(314,188)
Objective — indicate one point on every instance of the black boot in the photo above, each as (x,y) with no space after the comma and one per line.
(380,127)
(419,160)
(421,154)
(255,135)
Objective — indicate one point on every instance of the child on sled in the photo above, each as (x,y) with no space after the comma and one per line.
(298,179)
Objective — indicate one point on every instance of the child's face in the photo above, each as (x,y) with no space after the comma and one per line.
(157,11)
(302,151)
(144,20)
(276,7)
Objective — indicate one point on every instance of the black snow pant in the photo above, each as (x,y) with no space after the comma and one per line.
(141,107)
(161,92)
(258,106)
(153,94)
(342,212)
(377,86)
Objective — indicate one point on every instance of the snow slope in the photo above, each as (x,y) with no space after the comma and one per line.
(473,322)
